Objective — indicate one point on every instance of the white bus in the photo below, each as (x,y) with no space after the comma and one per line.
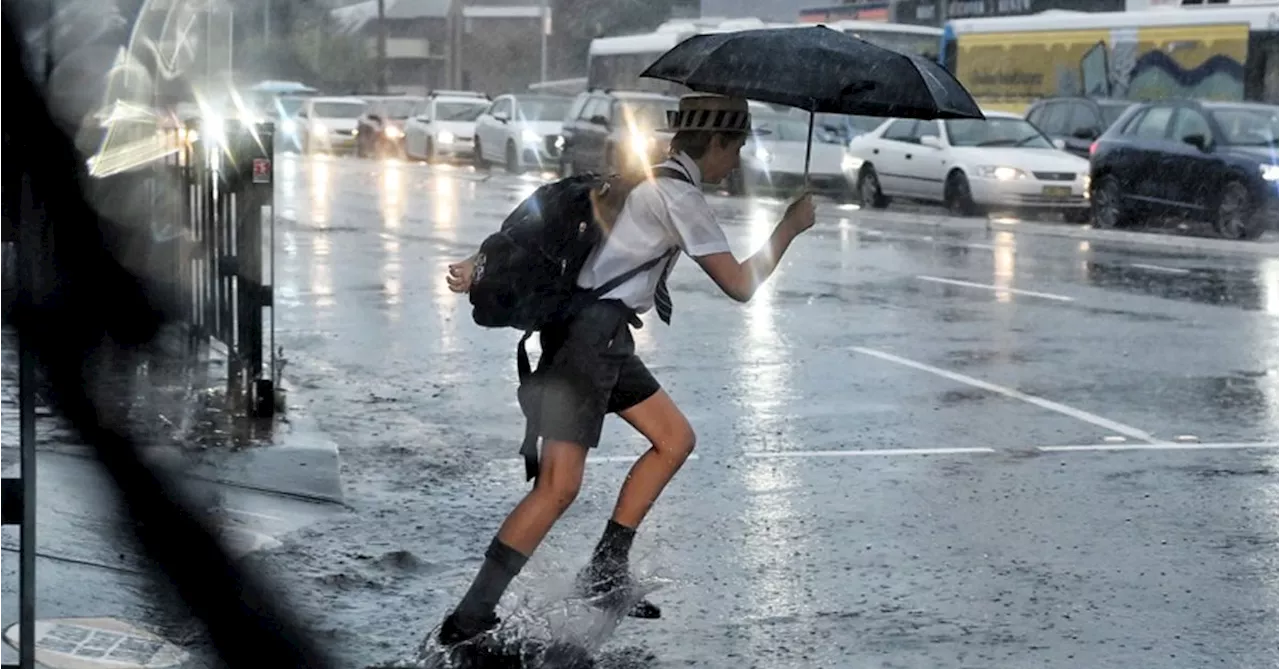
(616,62)
(1211,52)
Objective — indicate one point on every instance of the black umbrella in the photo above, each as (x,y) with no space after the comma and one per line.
(818,70)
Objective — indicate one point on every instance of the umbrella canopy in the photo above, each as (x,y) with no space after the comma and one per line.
(816,69)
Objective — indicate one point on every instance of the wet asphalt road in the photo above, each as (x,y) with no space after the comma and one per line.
(918,447)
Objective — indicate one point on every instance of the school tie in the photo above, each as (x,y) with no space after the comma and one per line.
(662,297)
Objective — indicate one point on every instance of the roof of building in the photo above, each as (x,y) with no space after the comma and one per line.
(354,17)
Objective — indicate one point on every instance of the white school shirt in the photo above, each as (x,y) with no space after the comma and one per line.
(659,215)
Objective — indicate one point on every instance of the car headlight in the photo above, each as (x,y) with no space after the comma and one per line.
(560,143)
(445,137)
(1270,172)
(393,132)
(529,137)
(1000,172)
(763,155)
(288,126)
(851,163)
(318,128)
(641,143)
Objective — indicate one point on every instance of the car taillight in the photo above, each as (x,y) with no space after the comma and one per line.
(1093,148)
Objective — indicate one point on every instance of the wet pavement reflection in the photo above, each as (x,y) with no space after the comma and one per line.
(919,445)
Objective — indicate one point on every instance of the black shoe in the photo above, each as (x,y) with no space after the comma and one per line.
(615,590)
(456,630)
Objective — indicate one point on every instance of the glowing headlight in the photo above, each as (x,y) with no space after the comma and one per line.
(445,137)
(559,143)
(1270,172)
(850,163)
(1001,172)
(641,143)
(763,155)
(288,126)
(318,128)
(529,137)
(393,132)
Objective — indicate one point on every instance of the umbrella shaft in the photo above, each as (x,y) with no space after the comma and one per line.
(808,151)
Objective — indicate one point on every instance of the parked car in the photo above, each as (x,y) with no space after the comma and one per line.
(971,165)
(381,128)
(328,124)
(444,125)
(611,131)
(1076,121)
(522,130)
(1213,161)
(772,160)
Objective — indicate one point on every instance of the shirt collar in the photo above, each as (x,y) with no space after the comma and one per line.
(689,165)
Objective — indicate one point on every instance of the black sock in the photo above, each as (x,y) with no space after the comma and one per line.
(612,552)
(501,564)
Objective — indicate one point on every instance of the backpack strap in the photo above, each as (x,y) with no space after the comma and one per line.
(672,173)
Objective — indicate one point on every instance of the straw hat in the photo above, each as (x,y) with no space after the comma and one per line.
(711,113)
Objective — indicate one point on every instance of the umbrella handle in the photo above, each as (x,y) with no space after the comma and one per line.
(808,151)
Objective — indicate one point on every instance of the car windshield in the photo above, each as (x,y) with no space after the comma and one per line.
(544,109)
(460,111)
(1111,113)
(339,109)
(648,114)
(398,108)
(1247,127)
(289,106)
(782,129)
(996,131)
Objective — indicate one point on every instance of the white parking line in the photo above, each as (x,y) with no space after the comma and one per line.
(597,458)
(1119,428)
(998,289)
(1160,447)
(1160,268)
(868,451)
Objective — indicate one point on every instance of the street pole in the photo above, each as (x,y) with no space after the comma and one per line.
(382,47)
(543,29)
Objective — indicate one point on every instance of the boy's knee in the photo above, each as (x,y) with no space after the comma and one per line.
(677,442)
(560,490)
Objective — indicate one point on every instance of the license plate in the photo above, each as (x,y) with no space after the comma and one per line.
(1057,191)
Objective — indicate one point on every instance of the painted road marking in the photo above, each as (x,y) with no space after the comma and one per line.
(1160,268)
(241,512)
(599,458)
(1119,428)
(1159,447)
(868,451)
(998,289)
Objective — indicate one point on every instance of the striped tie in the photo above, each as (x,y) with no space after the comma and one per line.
(661,296)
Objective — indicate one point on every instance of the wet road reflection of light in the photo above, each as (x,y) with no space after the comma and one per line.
(318,184)
(391,196)
(771,523)
(444,205)
(321,271)
(444,202)
(1004,255)
(1269,286)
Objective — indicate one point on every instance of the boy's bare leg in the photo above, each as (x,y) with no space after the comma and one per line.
(559,478)
(671,440)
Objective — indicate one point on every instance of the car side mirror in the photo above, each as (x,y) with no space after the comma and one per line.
(1059,144)
(1085,133)
(932,141)
(375,117)
(599,120)
(1199,141)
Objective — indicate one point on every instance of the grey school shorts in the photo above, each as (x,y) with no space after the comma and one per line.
(588,368)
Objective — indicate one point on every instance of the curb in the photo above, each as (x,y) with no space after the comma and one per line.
(298,458)
(1264,249)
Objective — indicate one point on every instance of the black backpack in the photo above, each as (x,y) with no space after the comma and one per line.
(526,273)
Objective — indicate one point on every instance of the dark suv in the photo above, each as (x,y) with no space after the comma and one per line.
(610,131)
(1076,121)
(1213,161)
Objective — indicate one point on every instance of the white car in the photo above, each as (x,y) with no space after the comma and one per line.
(444,126)
(971,165)
(773,158)
(522,131)
(328,124)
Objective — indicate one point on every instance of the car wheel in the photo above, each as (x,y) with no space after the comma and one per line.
(1076,216)
(959,197)
(1236,216)
(513,158)
(869,193)
(1107,203)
